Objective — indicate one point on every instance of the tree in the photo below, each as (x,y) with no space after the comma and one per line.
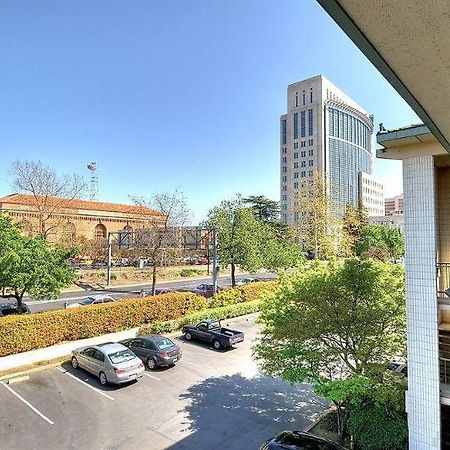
(239,236)
(380,242)
(51,193)
(266,210)
(353,223)
(164,216)
(319,224)
(330,321)
(30,265)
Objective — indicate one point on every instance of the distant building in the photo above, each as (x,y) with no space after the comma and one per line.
(371,194)
(323,132)
(393,205)
(70,219)
(392,221)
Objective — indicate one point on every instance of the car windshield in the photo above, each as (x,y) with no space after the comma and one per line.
(121,356)
(87,301)
(163,343)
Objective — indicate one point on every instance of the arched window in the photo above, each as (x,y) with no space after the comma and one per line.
(100,231)
(69,231)
(126,237)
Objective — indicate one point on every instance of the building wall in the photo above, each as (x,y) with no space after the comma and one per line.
(338,145)
(371,194)
(393,205)
(423,396)
(84,222)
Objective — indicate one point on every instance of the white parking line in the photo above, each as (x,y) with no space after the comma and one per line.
(188,362)
(27,403)
(151,376)
(83,382)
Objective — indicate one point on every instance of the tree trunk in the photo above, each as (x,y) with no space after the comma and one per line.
(19,297)
(233,275)
(154,279)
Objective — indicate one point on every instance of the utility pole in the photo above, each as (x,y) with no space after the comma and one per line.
(215,268)
(108,270)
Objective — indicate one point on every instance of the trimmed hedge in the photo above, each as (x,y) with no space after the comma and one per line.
(224,312)
(32,331)
(28,332)
(240,294)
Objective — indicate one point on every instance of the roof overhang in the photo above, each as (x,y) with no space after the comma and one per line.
(408,42)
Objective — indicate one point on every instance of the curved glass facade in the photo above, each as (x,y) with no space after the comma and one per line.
(349,152)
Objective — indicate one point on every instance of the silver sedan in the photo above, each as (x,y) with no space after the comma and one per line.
(111,363)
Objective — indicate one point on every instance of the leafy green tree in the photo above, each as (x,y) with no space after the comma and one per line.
(333,320)
(239,236)
(30,265)
(380,242)
(266,210)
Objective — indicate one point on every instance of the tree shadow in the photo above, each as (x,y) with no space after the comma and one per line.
(242,413)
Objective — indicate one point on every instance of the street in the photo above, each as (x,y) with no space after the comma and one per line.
(210,399)
(129,291)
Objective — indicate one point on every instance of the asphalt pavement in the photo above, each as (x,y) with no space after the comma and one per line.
(68,298)
(209,400)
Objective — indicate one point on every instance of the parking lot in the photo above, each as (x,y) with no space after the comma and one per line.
(210,399)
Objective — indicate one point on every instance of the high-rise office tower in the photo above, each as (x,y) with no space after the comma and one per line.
(325,132)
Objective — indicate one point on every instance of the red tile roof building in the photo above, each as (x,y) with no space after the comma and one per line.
(70,218)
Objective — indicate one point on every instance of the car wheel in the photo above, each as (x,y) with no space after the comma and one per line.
(216,345)
(188,336)
(74,362)
(103,379)
(151,363)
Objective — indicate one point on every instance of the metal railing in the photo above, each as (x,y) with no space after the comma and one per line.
(444,357)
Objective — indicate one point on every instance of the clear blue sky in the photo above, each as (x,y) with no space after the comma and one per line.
(171,94)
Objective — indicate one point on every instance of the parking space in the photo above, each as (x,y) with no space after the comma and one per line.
(210,398)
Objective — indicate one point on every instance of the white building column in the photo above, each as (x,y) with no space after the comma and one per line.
(423,396)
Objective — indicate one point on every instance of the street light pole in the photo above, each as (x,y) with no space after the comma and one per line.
(215,268)
(108,270)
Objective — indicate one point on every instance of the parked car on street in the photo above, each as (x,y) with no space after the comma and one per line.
(211,331)
(299,440)
(8,308)
(154,350)
(111,363)
(205,290)
(93,300)
(246,280)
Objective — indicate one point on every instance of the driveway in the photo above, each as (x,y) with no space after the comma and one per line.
(210,399)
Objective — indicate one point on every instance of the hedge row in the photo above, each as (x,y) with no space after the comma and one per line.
(28,332)
(240,294)
(221,313)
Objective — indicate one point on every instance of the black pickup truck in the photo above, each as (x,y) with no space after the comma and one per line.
(211,331)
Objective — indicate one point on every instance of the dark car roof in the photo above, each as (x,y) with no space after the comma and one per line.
(153,337)
(293,438)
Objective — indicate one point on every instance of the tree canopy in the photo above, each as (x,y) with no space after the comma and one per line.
(380,242)
(30,265)
(266,210)
(333,319)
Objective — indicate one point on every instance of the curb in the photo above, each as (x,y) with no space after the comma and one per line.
(320,417)
(28,371)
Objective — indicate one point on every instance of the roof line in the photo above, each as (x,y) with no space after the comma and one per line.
(346,23)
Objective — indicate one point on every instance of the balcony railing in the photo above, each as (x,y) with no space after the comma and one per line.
(444,357)
(443,280)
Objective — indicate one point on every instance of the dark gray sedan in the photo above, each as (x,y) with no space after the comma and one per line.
(154,350)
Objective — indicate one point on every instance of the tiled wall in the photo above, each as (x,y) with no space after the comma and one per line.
(423,397)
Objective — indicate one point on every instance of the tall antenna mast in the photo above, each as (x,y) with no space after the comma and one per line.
(93,192)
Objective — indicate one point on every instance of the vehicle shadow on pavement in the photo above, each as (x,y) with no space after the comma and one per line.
(242,413)
(92,380)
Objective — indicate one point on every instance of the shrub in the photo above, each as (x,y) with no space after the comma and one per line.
(28,332)
(224,312)
(239,294)
(184,273)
